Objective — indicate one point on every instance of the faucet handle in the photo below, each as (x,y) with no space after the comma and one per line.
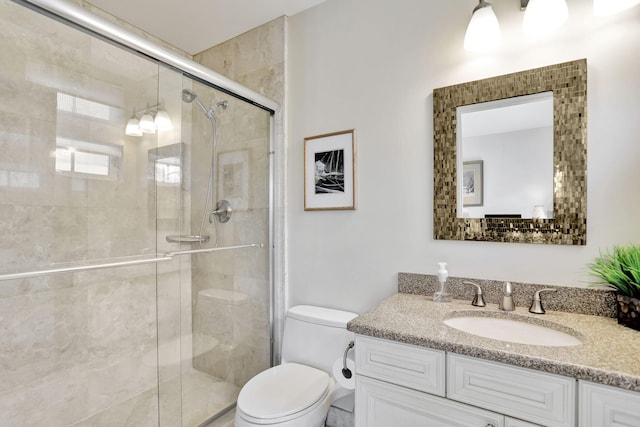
(536,304)
(478,298)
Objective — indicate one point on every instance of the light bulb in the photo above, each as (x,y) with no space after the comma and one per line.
(544,16)
(133,127)
(538,212)
(163,121)
(483,32)
(147,125)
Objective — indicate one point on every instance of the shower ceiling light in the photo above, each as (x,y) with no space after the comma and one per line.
(543,16)
(483,32)
(133,127)
(147,125)
(610,7)
(163,121)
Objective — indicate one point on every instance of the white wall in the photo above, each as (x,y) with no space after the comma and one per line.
(372,65)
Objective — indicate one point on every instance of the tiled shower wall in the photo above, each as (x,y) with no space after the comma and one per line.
(233,288)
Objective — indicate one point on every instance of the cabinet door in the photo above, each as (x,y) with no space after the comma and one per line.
(604,406)
(380,404)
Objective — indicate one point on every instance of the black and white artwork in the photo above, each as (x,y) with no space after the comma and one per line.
(330,171)
(472,183)
(329,176)
(468,182)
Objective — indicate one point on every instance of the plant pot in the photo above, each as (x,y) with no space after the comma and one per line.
(629,311)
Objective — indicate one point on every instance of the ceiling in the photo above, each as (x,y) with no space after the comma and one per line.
(196,25)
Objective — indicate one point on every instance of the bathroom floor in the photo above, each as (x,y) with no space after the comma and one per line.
(202,397)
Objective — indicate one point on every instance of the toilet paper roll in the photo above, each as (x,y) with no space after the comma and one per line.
(348,383)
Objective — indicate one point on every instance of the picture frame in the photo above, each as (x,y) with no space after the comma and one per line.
(472,183)
(330,179)
(233,178)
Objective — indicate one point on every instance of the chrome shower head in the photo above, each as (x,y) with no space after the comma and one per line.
(188,96)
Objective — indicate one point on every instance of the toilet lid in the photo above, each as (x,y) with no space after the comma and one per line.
(283,390)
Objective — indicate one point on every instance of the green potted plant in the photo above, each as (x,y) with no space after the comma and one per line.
(620,270)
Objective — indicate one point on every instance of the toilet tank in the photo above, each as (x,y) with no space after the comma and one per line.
(315,336)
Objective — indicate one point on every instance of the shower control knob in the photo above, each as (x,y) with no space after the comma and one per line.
(223,213)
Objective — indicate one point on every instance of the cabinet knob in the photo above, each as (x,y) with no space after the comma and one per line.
(490,425)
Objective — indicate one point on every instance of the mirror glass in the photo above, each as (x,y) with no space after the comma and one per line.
(493,181)
(505,158)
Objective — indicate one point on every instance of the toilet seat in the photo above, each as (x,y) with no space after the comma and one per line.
(282,393)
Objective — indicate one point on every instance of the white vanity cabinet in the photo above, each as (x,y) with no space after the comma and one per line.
(605,406)
(405,386)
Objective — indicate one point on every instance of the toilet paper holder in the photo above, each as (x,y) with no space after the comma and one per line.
(346,372)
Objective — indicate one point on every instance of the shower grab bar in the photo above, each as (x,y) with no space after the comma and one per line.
(161,258)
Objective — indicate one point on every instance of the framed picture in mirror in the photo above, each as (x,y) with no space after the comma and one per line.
(472,183)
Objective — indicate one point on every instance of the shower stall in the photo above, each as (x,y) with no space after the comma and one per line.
(135,224)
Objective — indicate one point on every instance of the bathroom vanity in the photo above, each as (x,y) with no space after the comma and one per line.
(414,370)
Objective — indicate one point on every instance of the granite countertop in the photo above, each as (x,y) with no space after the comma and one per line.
(610,353)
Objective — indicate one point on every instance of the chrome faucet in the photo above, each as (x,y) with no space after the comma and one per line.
(478,298)
(536,304)
(507,303)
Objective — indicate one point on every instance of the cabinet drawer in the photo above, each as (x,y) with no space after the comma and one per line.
(407,365)
(380,404)
(533,396)
(604,406)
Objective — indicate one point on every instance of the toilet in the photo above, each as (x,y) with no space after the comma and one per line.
(299,392)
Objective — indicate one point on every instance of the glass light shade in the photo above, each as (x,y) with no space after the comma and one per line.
(163,121)
(483,32)
(538,212)
(147,125)
(610,7)
(544,16)
(133,127)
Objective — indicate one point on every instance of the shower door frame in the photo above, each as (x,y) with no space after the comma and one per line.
(81,18)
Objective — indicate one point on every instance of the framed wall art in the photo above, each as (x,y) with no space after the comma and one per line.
(330,181)
(472,183)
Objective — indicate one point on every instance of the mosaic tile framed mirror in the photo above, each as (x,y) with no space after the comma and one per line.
(515,208)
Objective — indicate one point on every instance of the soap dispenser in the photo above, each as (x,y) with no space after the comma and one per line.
(442,294)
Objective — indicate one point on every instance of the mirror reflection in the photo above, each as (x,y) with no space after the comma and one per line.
(505,158)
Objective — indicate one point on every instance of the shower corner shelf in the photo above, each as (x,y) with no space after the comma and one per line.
(183,238)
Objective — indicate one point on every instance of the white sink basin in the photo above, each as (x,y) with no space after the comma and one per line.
(512,330)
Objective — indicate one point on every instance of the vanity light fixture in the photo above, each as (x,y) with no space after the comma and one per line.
(611,7)
(483,32)
(543,16)
(153,119)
